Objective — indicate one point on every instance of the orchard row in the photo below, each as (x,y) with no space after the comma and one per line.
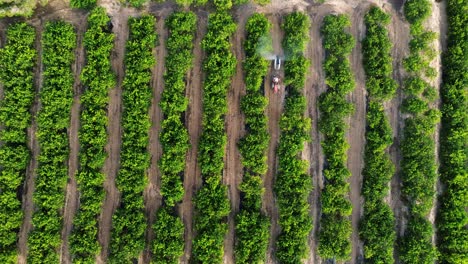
(293,182)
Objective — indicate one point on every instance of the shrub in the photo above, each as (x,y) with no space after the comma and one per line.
(293,184)
(12,8)
(335,226)
(377,226)
(168,245)
(56,96)
(252,227)
(17,60)
(418,166)
(84,4)
(452,218)
(97,78)
(211,202)
(128,221)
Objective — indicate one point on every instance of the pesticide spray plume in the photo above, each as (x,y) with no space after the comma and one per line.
(265,47)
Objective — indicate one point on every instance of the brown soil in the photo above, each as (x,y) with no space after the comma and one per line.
(274,110)
(114,132)
(314,86)
(356,132)
(193,117)
(152,195)
(33,144)
(72,195)
(234,119)
(356,138)
(234,123)
(399,36)
(437,23)
(77,18)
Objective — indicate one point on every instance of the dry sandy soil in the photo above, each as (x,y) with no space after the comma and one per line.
(233,169)
(193,117)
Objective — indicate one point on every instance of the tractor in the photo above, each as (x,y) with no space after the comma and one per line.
(275,80)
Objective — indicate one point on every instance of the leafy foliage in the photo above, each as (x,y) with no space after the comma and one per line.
(17,60)
(169,244)
(377,227)
(335,232)
(377,59)
(25,8)
(128,221)
(293,184)
(417,244)
(174,135)
(169,241)
(84,4)
(211,204)
(418,166)
(416,11)
(97,78)
(56,96)
(452,219)
(252,227)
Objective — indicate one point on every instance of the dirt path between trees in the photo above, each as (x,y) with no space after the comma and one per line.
(437,22)
(314,86)
(193,117)
(399,36)
(234,123)
(356,131)
(152,194)
(33,145)
(114,131)
(274,110)
(72,196)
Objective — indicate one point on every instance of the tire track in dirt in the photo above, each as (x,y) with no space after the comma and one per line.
(27,205)
(193,118)
(152,196)
(399,37)
(315,85)
(274,110)
(235,129)
(356,131)
(437,22)
(72,196)
(114,131)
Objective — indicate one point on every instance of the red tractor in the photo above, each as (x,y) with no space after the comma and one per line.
(275,81)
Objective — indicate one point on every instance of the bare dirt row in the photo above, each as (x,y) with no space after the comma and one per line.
(72,196)
(233,170)
(193,118)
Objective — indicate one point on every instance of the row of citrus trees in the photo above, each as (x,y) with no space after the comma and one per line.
(211,202)
(293,184)
(377,226)
(453,218)
(17,60)
(335,225)
(252,227)
(56,96)
(418,167)
(168,244)
(219,4)
(128,221)
(97,78)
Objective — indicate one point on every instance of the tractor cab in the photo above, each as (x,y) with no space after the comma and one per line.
(275,80)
